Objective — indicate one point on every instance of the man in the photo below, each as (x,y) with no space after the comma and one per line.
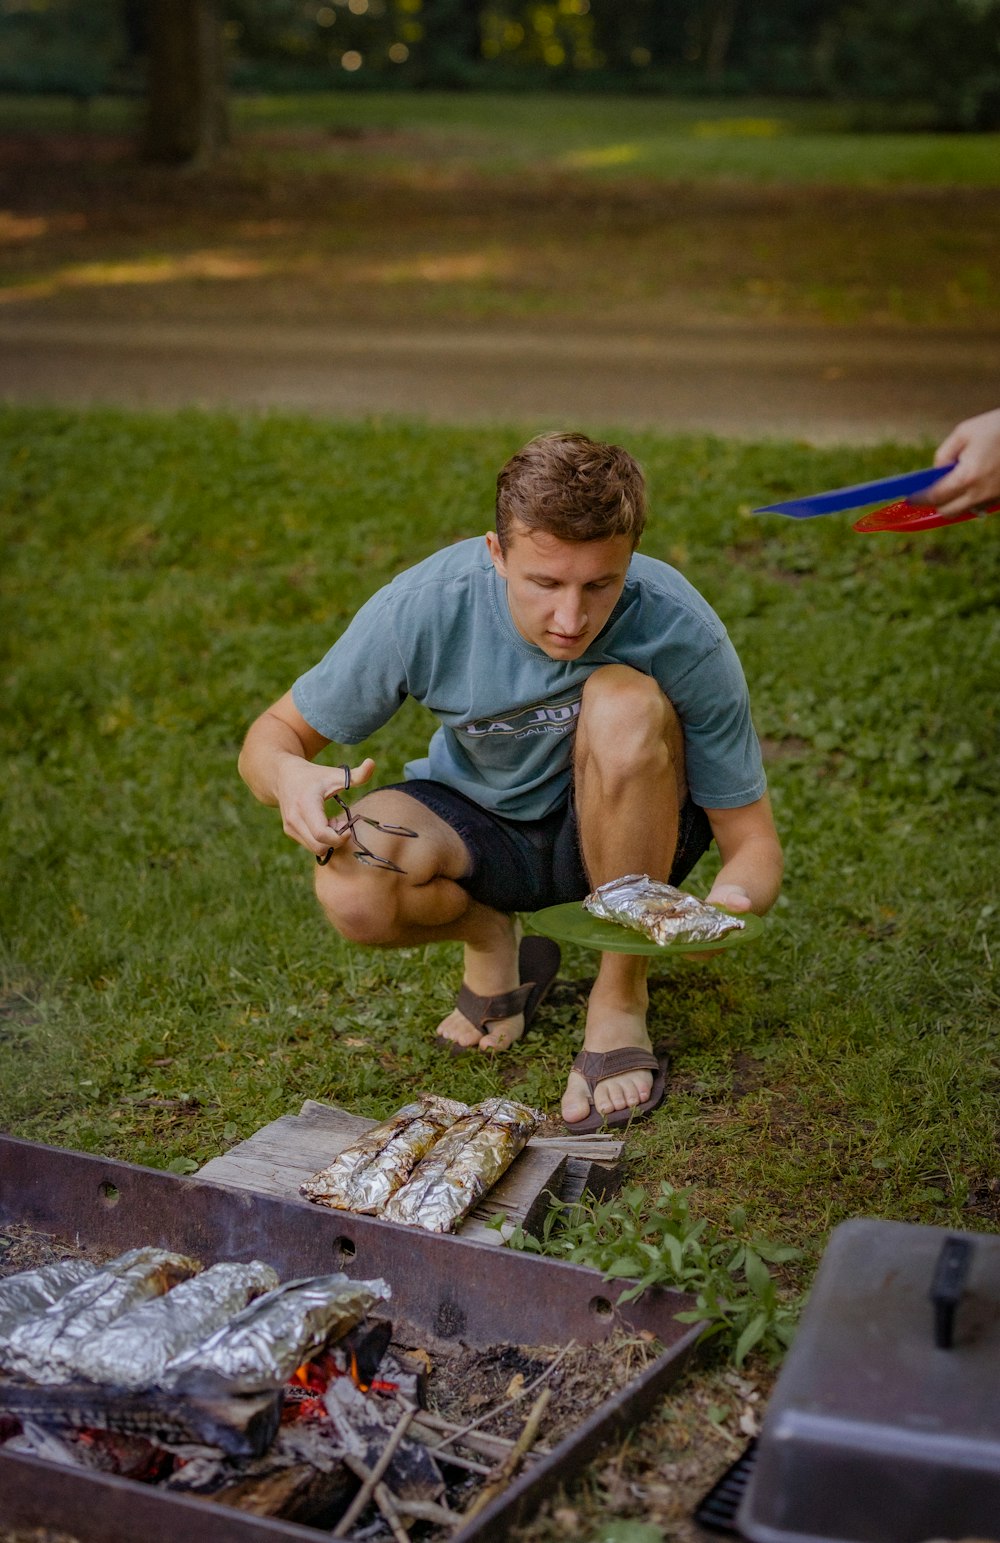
(595,722)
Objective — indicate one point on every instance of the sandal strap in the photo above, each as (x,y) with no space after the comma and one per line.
(483,1010)
(596,1066)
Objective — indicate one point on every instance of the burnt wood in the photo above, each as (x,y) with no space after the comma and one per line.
(241,1426)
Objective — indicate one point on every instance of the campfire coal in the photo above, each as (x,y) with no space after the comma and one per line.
(499,1376)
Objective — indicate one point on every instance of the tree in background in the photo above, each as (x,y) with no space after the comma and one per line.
(186,112)
(451,42)
(61,46)
(945,53)
(937,59)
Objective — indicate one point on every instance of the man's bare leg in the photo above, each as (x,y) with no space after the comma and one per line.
(426,904)
(630,786)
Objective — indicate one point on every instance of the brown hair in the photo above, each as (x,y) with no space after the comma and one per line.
(572,487)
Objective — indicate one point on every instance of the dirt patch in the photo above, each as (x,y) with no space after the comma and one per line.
(790,748)
(983,1203)
(21,1248)
(733,308)
(500,1382)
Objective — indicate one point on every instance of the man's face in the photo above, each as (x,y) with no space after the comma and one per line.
(560,593)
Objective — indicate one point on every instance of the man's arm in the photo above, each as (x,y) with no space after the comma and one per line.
(752,864)
(276,765)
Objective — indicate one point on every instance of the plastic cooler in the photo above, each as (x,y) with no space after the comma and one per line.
(884,1425)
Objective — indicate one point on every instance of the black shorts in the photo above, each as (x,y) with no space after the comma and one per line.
(523,865)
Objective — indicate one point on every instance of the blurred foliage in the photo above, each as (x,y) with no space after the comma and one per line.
(75,47)
(858,49)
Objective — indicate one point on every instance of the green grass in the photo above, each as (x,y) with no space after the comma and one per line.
(168,985)
(612,138)
(609,137)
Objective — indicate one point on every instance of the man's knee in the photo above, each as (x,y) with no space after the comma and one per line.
(625,719)
(355,907)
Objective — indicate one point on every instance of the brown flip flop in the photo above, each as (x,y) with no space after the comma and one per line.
(537,966)
(595,1065)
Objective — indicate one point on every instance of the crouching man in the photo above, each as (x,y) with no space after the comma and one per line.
(594,721)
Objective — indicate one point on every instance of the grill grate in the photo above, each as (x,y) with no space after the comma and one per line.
(717,1511)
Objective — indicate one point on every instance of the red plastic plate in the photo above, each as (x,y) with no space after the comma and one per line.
(904,517)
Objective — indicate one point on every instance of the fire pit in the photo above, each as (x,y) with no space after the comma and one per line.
(449,1296)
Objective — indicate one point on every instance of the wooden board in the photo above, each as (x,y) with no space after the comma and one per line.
(276,1159)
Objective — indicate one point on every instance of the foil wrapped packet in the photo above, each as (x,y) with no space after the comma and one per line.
(32,1291)
(133,1351)
(371,1169)
(659,911)
(44,1346)
(463,1165)
(263,1345)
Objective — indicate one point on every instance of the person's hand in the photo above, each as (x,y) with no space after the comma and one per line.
(733,897)
(302,791)
(975,444)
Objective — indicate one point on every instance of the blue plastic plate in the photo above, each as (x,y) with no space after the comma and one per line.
(570,923)
(883,489)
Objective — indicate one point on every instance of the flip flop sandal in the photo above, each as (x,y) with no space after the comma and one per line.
(595,1066)
(537,966)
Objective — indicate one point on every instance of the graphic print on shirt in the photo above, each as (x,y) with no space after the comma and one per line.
(543,718)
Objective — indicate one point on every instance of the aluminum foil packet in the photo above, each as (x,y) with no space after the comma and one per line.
(32,1291)
(133,1351)
(263,1345)
(367,1172)
(44,1345)
(463,1165)
(659,911)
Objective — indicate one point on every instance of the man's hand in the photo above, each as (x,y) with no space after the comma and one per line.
(975,445)
(733,897)
(302,789)
(277,765)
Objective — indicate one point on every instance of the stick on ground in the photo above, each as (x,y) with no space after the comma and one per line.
(512,1461)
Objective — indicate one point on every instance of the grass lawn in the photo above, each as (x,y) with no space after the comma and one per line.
(770,139)
(167,985)
(603,213)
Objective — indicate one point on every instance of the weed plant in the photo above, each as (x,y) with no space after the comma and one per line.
(168,984)
(656,1241)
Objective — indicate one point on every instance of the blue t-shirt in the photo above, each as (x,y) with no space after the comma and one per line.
(442,633)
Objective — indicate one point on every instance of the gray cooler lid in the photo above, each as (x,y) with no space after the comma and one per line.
(877,1430)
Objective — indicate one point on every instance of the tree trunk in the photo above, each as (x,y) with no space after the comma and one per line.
(451,41)
(719,38)
(187,118)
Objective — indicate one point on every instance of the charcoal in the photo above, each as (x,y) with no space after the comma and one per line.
(241,1426)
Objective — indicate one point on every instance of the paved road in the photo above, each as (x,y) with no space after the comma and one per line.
(820,385)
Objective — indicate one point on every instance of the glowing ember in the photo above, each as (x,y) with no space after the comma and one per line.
(309,1382)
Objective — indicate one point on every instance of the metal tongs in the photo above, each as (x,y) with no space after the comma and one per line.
(364,854)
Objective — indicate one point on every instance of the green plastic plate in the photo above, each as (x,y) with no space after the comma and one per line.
(572,924)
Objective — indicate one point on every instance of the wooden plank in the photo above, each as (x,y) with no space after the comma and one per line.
(276,1159)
